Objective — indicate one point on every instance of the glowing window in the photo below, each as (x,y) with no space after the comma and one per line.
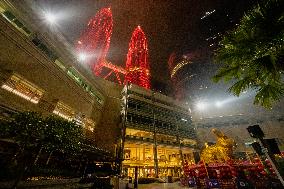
(23,88)
(76,76)
(89,124)
(64,111)
(60,64)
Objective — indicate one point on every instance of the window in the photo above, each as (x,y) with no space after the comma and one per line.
(89,124)
(16,23)
(60,64)
(23,88)
(43,47)
(64,111)
(9,16)
(75,75)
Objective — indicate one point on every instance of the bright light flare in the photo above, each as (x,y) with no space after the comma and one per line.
(50,17)
(219,104)
(201,105)
(82,57)
(184,119)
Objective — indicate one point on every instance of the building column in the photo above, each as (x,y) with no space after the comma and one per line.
(156,166)
(180,152)
(120,154)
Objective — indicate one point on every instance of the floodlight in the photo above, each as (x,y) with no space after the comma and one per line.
(51,18)
(82,57)
(201,105)
(218,104)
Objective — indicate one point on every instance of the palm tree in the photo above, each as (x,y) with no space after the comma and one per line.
(252,55)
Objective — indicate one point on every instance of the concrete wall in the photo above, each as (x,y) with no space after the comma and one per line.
(108,131)
(19,55)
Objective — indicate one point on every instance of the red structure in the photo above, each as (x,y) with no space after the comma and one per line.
(94,42)
(137,63)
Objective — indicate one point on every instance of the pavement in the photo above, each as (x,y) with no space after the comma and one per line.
(73,184)
(47,184)
(175,185)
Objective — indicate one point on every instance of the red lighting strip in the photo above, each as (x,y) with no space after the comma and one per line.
(137,63)
(95,40)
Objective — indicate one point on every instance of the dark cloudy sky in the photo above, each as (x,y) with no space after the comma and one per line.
(170,25)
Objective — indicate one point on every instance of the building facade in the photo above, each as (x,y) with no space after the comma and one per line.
(38,73)
(158,135)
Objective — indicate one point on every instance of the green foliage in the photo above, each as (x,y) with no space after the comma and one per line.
(40,137)
(252,54)
(26,128)
(4,129)
(30,130)
(62,134)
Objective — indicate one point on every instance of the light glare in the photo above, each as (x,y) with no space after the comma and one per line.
(218,104)
(201,105)
(51,18)
(82,57)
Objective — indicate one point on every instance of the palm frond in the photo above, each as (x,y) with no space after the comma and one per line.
(241,85)
(252,53)
(268,94)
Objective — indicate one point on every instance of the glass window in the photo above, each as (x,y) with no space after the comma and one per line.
(26,30)
(48,52)
(18,23)
(60,64)
(89,124)
(64,111)
(15,22)
(75,75)
(23,88)
(9,15)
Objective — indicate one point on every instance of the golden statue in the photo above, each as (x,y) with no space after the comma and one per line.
(219,152)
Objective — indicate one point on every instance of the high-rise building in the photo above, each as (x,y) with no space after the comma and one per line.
(183,68)
(158,135)
(40,72)
(137,63)
(94,41)
(56,83)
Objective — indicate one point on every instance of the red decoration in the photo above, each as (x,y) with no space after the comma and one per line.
(137,63)
(95,40)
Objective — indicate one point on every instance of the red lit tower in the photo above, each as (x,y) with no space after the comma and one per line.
(137,63)
(95,40)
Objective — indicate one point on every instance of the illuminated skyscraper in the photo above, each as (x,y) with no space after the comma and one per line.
(94,42)
(185,73)
(137,63)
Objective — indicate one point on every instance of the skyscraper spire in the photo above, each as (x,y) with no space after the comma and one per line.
(94,42)
(137,63)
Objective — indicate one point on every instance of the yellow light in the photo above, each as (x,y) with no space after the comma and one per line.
(29,98)
(179,66)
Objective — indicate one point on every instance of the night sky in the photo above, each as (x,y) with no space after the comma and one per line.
(169,26)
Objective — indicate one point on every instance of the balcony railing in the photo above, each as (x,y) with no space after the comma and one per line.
(140,139)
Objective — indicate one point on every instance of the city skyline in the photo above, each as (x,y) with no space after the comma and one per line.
(196,27)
